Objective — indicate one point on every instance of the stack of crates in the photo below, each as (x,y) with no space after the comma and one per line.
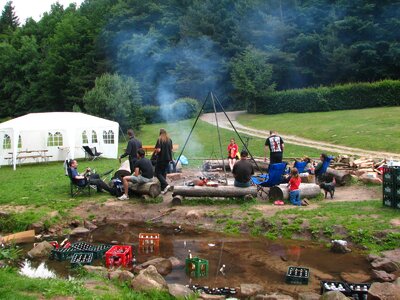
(391,187)
(149,243)
(196,267)
(119,255)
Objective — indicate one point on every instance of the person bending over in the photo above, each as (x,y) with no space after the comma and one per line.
(242,171)
(93,179)
(143,172)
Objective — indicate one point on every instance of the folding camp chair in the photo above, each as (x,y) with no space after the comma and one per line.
(91,154)
(300,165)
(274,177)
(76,189)
(321,172)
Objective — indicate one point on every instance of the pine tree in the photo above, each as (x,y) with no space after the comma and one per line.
(8,19)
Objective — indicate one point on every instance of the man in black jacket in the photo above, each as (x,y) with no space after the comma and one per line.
(131,149)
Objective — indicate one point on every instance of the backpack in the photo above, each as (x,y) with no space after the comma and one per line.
(118,187)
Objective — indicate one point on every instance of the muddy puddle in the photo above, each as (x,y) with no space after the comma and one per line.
(246,259)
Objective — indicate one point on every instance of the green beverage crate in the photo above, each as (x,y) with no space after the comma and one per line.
(99,251)
(389,190)
(196,267)
(83,247)
(297,275)
(81,259)
(62,253)
(388,201)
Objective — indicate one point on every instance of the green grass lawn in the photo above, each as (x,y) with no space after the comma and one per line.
(371,129)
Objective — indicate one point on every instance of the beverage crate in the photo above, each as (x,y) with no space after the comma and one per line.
(196,267)
(389,190)
(359,291)
(388,201)
(343,287)
(147,239)
(81,259)
(83,247)
(62,253)
(119,255)
(297,275)
(388,175)
(100,250)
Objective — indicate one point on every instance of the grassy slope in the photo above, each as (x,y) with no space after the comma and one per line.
(370,129)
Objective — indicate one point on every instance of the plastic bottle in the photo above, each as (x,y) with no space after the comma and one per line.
(190,254)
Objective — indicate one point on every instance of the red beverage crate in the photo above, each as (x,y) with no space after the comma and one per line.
(149,239)
(119,255)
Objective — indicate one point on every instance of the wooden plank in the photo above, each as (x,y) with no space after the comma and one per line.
(20,237)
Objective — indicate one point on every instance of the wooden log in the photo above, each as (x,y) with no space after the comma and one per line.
(342,178)
(220,191)
(152,188)
(20,237)
(217,164)
(281,192)
(177,200)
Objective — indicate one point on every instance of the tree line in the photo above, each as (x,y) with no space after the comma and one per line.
(111,58)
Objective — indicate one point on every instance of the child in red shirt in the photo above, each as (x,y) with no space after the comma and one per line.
(232,153)
(293,185)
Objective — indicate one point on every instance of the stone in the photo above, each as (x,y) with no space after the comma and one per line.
(338,247)
(42,249)
(75,223)
(4,214)
(192,214)
(393,255)
(53,214)
(163,265)
(397,281)
(89,225)
(355,277)
(385,264)
(38,227)
(79,231)
(176,263)
(249,289)
(372,257)
(333,295)
(102,271)
(274,296)
(383,276)
(121,275)
(180,291)
(149,279)
(384,291)
(309,296)
(205,296)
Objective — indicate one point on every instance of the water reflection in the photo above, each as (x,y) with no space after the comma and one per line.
(30,269)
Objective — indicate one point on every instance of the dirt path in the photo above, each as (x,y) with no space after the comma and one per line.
(223,122)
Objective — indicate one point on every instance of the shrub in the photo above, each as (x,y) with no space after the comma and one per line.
(181,109)
(340,97)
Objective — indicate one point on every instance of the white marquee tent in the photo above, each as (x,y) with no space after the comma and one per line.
(55,136)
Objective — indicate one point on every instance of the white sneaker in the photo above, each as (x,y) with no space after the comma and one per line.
(167,188)
(123,197)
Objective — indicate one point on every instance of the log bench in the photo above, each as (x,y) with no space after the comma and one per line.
(281,192)
(152,188)
(180,192)
(149,149)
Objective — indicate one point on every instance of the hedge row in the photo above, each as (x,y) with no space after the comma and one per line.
(340,97)
(181,109)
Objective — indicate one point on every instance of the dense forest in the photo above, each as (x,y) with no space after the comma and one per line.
(153,52)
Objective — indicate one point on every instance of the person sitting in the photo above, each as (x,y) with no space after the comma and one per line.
(93,179)
(232,153)
(143,172)
(242,171)
(319,175)
(309,168)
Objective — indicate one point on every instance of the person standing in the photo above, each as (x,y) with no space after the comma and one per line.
(143,173)
(274,143)
(131,149)
(242,171)
(232,153)
(294,187)
(163,148)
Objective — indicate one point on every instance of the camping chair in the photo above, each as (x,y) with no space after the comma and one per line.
(321,172)
(300,165)
(74,188)
(91,154)
(274,177)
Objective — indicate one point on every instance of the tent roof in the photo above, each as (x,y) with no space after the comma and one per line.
(56,120)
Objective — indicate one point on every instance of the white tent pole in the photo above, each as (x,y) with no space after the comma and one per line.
(15,148)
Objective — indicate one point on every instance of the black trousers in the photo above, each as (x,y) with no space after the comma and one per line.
(275,157)
(161,173)
(100,184)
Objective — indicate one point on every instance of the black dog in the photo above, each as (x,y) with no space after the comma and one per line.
(328,187)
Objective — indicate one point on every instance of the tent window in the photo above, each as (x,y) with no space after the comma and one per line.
(19,142)
(84,137)
(108,137)
(6,142)
(94,136)
(55,139)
